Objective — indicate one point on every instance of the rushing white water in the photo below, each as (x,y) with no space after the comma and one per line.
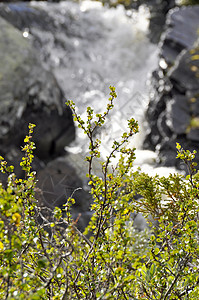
(95,47)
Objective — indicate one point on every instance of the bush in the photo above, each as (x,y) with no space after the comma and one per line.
(51,259)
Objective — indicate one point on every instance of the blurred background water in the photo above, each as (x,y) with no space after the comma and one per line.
(96,47)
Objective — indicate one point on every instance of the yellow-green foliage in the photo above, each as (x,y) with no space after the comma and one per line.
(188,2)
(52,259)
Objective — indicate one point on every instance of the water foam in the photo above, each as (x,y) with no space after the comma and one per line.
(94,47)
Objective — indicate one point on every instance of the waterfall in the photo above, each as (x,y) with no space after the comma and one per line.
(90,47)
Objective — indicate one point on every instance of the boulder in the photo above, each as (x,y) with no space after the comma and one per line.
(29,93)
(56,183)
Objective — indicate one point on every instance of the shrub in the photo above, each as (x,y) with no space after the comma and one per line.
(52,259)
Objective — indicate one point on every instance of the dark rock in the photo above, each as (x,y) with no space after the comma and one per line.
(173,112)
(167,153)
(178,114)
(163,125)
(29,93)
(57,182)
(185,71)
(158,12)
(181,32)
(156,106)
(23,16)
(13,156)
(193,135)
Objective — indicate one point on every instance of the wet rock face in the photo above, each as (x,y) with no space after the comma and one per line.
(181,32)
(173,112)
(158,11)
(21,15)
(29,93)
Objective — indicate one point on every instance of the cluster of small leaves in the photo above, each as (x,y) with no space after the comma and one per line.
(45,256)
(105,266)
(172,270)
(32,250)
(168,267)
(48,257)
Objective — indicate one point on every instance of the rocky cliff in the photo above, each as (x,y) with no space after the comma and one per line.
(173,112)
